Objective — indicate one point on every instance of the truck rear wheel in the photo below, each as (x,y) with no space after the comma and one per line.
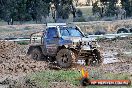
(36,54)
(65,58)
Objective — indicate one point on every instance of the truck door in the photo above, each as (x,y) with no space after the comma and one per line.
(51,40)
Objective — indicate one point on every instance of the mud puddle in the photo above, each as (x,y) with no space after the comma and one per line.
(109,57)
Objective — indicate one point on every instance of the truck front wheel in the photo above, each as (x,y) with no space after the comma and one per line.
(65,58)
(36,54)
(95,59)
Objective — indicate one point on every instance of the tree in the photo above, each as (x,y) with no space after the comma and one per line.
(79,16)
(25,10)
(96,8)
(110,7)
(88,2)
(21,10)
(64,8)
(79,13)
(127,5)
(8,10)
(38,9)
(76,2)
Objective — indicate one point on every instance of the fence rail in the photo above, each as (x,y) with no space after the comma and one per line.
(106,36)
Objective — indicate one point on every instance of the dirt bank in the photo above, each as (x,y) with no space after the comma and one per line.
(13,60)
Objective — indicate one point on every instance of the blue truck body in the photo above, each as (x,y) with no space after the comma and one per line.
(64,42)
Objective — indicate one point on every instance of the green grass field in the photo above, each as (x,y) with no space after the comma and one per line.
(72,77)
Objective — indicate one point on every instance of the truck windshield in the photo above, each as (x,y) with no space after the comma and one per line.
(73,32)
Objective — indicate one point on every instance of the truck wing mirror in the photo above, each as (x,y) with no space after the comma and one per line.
(85,34)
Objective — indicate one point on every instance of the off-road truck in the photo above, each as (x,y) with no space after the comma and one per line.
(65,44)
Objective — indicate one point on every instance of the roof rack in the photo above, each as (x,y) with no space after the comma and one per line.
(55,24)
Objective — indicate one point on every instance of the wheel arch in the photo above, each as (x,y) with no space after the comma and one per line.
(33,47)
(61,47)
(74,50)
(66,47)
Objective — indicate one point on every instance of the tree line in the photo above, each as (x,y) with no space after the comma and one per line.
(35,10)
(26,10)
(110,8)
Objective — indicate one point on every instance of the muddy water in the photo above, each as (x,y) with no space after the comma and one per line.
(109,57)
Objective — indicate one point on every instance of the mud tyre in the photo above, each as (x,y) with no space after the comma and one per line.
(36,54)
(96,59)
(65,58)
(122,30)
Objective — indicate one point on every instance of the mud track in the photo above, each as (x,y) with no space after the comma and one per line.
(15,64)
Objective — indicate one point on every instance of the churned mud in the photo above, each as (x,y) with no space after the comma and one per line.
(14,63)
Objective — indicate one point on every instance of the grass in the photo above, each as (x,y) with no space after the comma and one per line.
(48,77)
(87,11)
(27,28)
(23,43)
(17,22)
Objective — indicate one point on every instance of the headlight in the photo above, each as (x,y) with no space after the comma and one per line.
(76,44)
(93,43)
